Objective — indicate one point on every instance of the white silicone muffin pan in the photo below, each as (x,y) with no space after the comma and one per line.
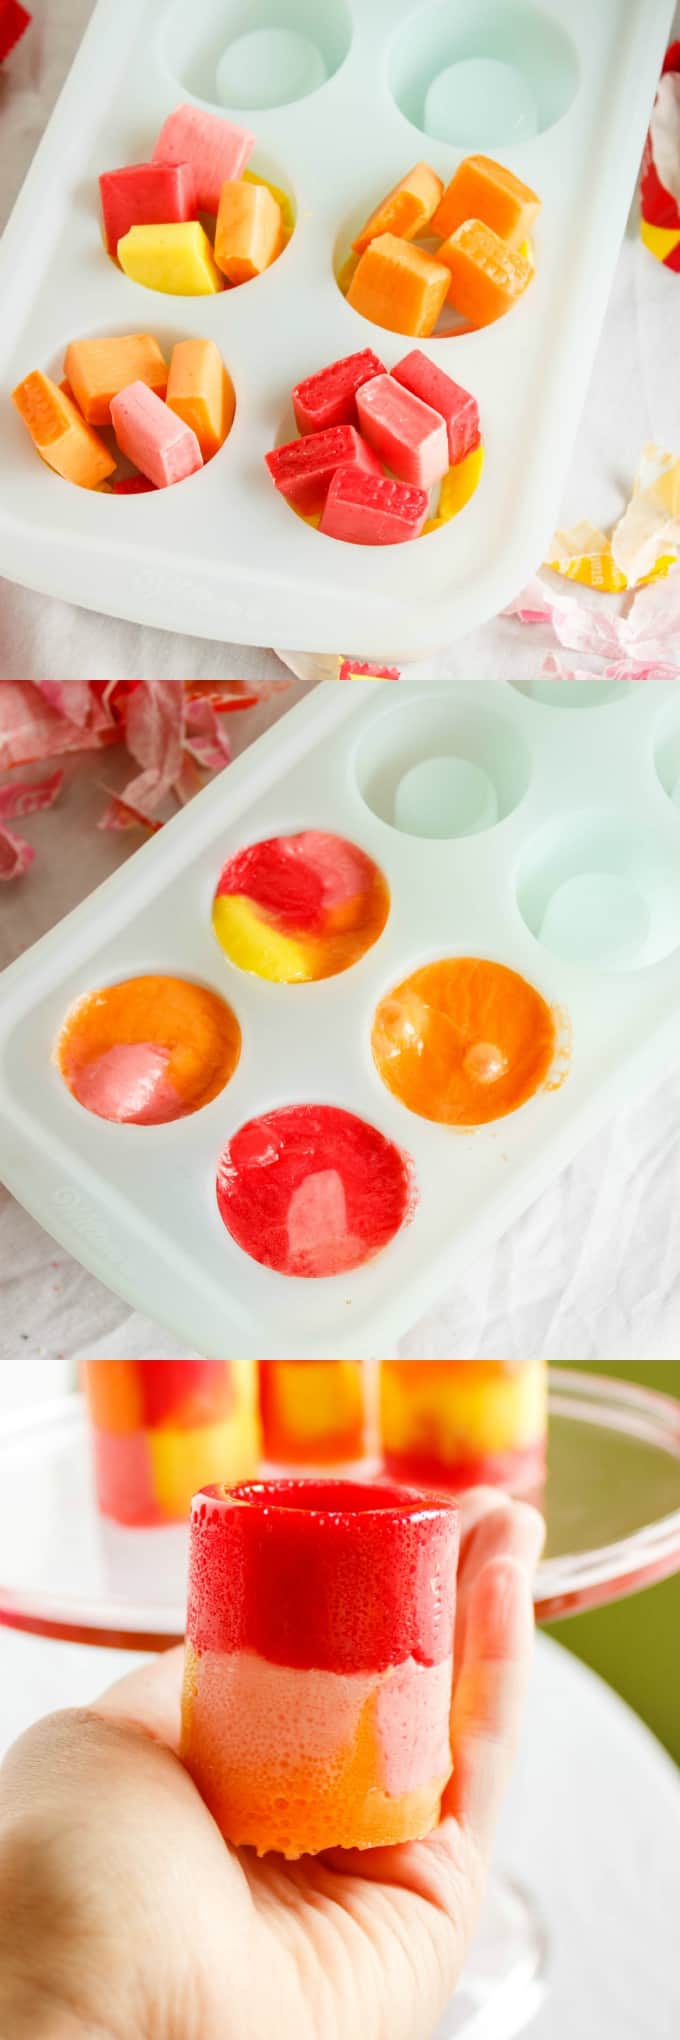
(585,854)
(221,555)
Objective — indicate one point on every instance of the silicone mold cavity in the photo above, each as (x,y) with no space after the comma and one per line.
(503,71)
(573,693)
(318,36)
(442,770)
(167,337)
(667,752)
(596,890)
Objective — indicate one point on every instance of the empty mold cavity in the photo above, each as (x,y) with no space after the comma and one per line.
(573,693)
(125,478)
(252,58)
(312,1190)
(298,908)
(148,1049)
(439,770)
(597,891)
(484,77)
(465,1041)
(667,752)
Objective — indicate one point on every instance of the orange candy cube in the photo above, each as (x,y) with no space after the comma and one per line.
(60,434)
(483,190)
(201,392)
(487,276)
(99,369)
(407,209)
(250,231)
(399,287)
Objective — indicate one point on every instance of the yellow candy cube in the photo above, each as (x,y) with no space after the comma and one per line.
(177,258)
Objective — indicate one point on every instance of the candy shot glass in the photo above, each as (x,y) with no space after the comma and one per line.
(160,1427)
(319,1662)
(462,1423)
(313,1411)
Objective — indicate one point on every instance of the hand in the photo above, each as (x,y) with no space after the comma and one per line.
(123,1913)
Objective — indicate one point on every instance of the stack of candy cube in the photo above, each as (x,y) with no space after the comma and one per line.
(14,20)
(477,259)
(166,418)
(355,421)
(152,211)
(659,206)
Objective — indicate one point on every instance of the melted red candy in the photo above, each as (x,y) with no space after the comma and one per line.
(312,1190)
(197,1391)
(338,1576)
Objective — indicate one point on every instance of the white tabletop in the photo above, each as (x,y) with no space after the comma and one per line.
(634,396)
(591,1831)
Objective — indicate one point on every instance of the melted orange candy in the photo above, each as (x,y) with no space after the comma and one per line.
(312,1410)
(465,1041)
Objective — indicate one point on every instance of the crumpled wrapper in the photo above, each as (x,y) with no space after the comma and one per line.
(172,729)
(644,545)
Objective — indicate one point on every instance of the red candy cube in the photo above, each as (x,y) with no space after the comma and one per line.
(14,20)
(365,509)
(329,398)
(303,470)
(146,195)
(455,405)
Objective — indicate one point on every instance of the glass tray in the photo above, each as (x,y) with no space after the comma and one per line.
(612,1503)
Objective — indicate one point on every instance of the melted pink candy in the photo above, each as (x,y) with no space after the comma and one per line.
(128,1084)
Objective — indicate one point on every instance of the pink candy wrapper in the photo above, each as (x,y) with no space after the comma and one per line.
(172,730)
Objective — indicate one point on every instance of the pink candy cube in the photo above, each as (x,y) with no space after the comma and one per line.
(217,151)
(329,398)
(303,469)
(455,405)
(146,195)
(368,509)
(153,438)
(410,437)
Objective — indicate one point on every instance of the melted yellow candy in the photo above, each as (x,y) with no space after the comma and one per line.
(460,484)
(254,945)
(457,1409)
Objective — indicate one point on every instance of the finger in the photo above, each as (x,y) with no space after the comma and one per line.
(511,1530)
(149,1696)
(489,1697)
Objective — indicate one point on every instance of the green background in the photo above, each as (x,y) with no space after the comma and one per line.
(635,1643)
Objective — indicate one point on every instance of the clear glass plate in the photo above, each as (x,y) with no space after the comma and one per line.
(612,1504)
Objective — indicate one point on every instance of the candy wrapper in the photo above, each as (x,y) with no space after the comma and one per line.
(173,731)
(335,666)
(14,21)
(640,642)
(660,177)
(644,545)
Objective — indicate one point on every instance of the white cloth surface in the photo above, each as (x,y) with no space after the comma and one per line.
(593,1804)
(634,396)
(590,1272)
